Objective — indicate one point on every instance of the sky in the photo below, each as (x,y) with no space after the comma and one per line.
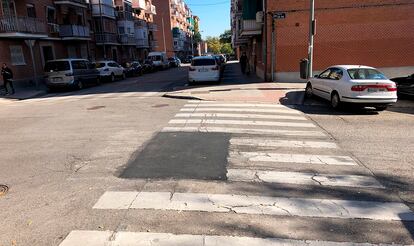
(214,15)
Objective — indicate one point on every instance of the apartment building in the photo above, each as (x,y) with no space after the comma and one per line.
(371,32)
(32,32)
(176,22)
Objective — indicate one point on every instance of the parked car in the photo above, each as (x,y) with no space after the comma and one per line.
(405,85)
(132,68)
(110,70)
(188,59)
(159,59)
(360,85)
(174,62)
(148,66)
(75,73)
(204,68)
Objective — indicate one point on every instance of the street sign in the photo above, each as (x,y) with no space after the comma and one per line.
(279,15)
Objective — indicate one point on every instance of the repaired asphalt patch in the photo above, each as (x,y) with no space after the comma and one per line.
(181,156)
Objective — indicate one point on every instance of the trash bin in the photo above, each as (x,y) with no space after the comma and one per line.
(304,64)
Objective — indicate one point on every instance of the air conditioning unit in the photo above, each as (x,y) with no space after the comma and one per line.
(260,17)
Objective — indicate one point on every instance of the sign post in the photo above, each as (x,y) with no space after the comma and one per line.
(312,29)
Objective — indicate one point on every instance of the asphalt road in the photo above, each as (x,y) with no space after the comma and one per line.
(117,163)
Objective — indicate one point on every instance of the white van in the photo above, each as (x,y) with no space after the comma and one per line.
(159,59)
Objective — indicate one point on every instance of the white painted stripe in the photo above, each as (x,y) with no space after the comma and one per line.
(254,110)
(124,238)
(237,105)
(266,142)
(241,122)
(292,158)
(245,131)
(244,204)
(245,116)
(247,175)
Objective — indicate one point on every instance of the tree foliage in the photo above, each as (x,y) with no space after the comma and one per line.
(226,48)
(213,44)
(226,37)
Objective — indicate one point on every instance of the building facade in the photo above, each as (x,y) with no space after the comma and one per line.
(377,33)
(33,32)
(177,28)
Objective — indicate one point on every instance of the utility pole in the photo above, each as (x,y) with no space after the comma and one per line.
(273,49)
(163,33)
(312,27)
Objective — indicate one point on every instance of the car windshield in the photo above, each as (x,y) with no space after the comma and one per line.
(365,73)
(156,58)
(57,66)
(171,59)
(100,64)
(203,62)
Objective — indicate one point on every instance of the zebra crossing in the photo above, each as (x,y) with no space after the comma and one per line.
(269,144)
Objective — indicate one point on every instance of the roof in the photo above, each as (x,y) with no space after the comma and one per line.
(346,67)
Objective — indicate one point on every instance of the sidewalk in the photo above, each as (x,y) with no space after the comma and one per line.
(238,87)
(24,91)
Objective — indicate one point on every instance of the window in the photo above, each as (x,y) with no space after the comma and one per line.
(203,62)
(336,74)
(31,10)
(325,74)
(113,64)
(57,66)
(366,73)
(51,15)
(79,65)
(17,55)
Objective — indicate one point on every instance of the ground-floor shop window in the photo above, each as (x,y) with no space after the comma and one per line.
(17,55)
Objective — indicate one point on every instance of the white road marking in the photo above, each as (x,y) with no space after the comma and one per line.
(241,122)
(243,204)
(292,158)
(237,105)
(245,131)
(124,238)
(266,142)
(247,175)
(255,110)
(246,116)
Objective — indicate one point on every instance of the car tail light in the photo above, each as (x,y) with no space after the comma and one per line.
(68,74)
(192,69)
(215,68)
(389,87)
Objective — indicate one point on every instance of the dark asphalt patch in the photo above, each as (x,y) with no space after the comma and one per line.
(181,156)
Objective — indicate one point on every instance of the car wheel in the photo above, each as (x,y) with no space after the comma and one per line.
(309,90)
(381,108)
(112,77)
(335,101)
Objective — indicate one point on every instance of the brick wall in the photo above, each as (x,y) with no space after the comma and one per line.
(163,13)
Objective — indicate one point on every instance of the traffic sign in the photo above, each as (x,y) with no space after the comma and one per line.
(279,15)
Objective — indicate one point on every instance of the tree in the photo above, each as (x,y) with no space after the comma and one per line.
(226,49)
(226,37)
(213,44)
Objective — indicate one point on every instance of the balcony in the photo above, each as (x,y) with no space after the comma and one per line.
(152,27)
(250,28)
(106,38)
(53,28)
(139,4)
(76,3)
(154,44)
(24,27)
(142,43)
(127,39)
(74,32)
(105,10)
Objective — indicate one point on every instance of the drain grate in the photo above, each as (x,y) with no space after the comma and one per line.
(3,189)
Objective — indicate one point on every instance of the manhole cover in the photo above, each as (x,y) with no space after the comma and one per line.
(96,107)
(160,105)
(3,189)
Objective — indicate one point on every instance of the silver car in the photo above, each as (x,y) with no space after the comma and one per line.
(75,73)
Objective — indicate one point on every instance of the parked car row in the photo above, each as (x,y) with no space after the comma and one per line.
(77,73)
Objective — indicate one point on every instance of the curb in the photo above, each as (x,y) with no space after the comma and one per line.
(182,97)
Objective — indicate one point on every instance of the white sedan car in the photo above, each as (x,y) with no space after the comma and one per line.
(360,85)
(110,70)
(203,69)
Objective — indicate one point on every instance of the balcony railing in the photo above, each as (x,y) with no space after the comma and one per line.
(127,39)
(250,28)
(79,3)
(153,44)
(152,27)
(104,9)
(75,31)
(23,25)
(106,38)
(53,28)
(142,43)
